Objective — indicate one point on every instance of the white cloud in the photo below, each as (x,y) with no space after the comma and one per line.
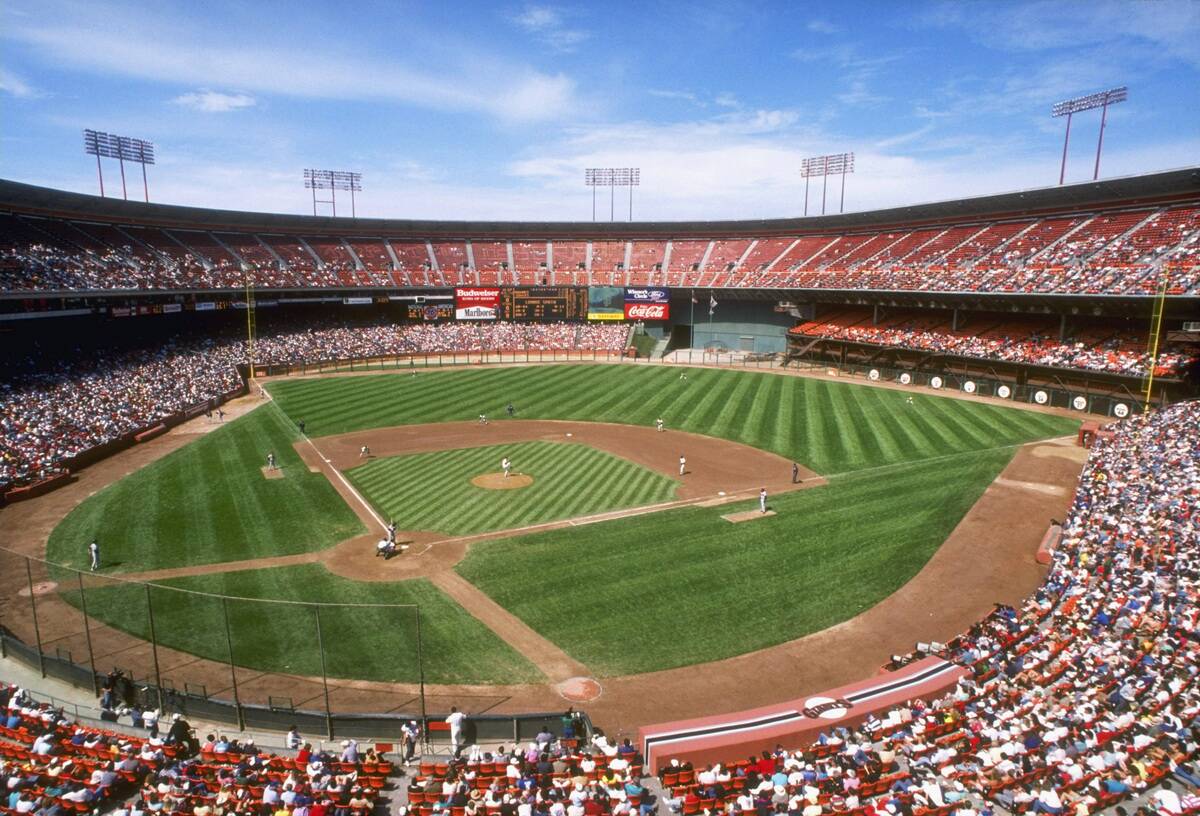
(214,101)
(822,27)
(180,52)
(15,85)
(549,25)
(904,138)
(857,70)
(1168,26)
(663,93)
(725,100)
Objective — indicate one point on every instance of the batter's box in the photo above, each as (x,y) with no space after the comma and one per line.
(747,515)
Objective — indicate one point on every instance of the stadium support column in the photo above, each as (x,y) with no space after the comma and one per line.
(250,325)
(692,327)
(87,633)
(1062,172)
(237,702)
(421,680)
(824,183)
(1100,140)
(1155,332)
(324,672)
(37,632)
(154,647)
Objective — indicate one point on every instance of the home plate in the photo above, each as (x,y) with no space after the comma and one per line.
(746,515)
(272,473)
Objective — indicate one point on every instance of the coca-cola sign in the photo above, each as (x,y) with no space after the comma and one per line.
(647,311)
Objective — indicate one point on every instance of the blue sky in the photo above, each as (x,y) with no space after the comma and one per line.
(493,110)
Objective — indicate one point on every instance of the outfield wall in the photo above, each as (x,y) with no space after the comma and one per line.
(735,325)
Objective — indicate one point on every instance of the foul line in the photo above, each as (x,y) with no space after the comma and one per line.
(378,519)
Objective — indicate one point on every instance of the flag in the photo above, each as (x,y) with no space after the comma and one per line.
(712,305)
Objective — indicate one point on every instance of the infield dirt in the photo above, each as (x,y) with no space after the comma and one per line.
(988,558)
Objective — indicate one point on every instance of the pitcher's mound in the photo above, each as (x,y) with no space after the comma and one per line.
(747,515)
(496,481)
(277,473)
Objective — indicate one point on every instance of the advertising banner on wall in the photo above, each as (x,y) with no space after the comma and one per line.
(606,303)
(647,303)
(430,311)
(476,303)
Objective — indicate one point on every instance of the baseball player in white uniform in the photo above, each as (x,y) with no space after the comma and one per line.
(762,500)
(455,721)
(682,463)
(94,554)
(506,466)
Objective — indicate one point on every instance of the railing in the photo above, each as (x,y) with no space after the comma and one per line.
(402,362)
(180,653)
(1049,390)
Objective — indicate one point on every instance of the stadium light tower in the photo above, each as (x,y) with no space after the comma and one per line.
(122,148)
(825,166)
(612,177)
(333,180)
(1070,107)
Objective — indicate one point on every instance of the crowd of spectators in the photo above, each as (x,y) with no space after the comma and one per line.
(1085,696)
(388,339)
(53,766)
(1115,354)
(548,776)
(234,776)
(1118,253)
(56,408)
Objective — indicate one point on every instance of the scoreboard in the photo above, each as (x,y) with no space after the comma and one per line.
(544,303)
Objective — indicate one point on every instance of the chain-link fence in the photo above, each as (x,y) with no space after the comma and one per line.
(246,661)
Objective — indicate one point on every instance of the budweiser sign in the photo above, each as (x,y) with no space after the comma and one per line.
(647,311)
(476,303)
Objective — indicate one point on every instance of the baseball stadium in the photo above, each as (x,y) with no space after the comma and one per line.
(888,511)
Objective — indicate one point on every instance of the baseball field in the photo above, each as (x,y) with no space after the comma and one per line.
(633,592)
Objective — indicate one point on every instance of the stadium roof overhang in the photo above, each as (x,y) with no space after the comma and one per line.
(1150,189)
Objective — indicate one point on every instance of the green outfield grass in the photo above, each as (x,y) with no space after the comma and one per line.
(370,643)
(685,586)
(831,427)
(208,502)
(433,491)
(668,589)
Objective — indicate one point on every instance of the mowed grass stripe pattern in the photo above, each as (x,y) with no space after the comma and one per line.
(831,427)
(433,491)
(704,589)
(368,643)
(208,502)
